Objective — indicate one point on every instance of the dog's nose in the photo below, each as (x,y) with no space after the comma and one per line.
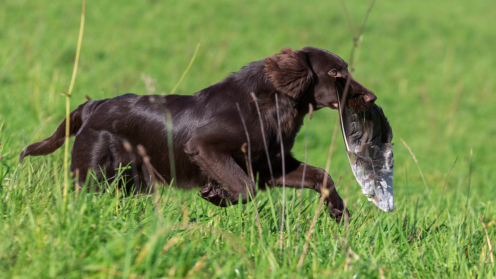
(370,98)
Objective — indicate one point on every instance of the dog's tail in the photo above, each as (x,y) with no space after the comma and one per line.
(52,143)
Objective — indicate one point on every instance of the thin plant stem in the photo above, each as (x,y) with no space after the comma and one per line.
(488,240)
(129,149)
(153,181)
(67,108)
(263,137)
(416,162)
(331,150)
(249,167)
(187,69)
(250,171)
(168,120)
(369,9)
(468,190)
(170,146)
(442,193)
(310,113)
(324,192)
(360,32)
(352,30)
(283,176)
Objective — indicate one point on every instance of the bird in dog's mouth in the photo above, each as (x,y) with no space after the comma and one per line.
(367,136)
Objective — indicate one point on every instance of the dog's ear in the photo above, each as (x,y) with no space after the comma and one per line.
(289,72)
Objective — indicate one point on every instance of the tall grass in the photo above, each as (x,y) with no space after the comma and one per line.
(107,234)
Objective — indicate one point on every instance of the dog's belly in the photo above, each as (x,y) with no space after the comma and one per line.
(184,172)
(140,121)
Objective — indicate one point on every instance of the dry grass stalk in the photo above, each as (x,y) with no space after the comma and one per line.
(310,114)
(263,136)
(324,192)
(416,162)
(283,175)
(442,193)
(488,240)
(151,173)
(251,188)
(142,254)
(129,150)
(169,244)
(248,165)
(197,267)
(381,273)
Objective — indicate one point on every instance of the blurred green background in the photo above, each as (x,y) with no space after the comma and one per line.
(431,64)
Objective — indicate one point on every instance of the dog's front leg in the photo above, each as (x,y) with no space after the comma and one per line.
(228,181)
(314,179)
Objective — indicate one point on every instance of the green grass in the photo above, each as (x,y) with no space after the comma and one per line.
(431,64)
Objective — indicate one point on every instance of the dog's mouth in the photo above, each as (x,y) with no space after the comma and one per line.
(357,103)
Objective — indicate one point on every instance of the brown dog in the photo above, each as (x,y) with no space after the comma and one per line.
(209,129)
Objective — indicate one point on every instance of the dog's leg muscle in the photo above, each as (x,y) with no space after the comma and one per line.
(229,179)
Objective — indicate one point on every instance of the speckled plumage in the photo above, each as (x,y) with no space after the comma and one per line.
(367,135)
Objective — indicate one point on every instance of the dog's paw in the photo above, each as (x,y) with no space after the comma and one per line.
(215,195)
(338,214)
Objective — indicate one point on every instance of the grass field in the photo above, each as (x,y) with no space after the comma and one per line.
(431,64)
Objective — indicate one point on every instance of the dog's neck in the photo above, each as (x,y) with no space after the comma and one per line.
(252,78)
(291,111)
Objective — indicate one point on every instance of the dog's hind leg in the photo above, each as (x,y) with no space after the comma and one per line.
(101,152)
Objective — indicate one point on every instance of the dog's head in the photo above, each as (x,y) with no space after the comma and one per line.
(315,74)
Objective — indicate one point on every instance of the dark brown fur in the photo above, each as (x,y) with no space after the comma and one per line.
(207,130)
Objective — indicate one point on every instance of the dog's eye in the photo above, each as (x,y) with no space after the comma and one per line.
(333,72)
